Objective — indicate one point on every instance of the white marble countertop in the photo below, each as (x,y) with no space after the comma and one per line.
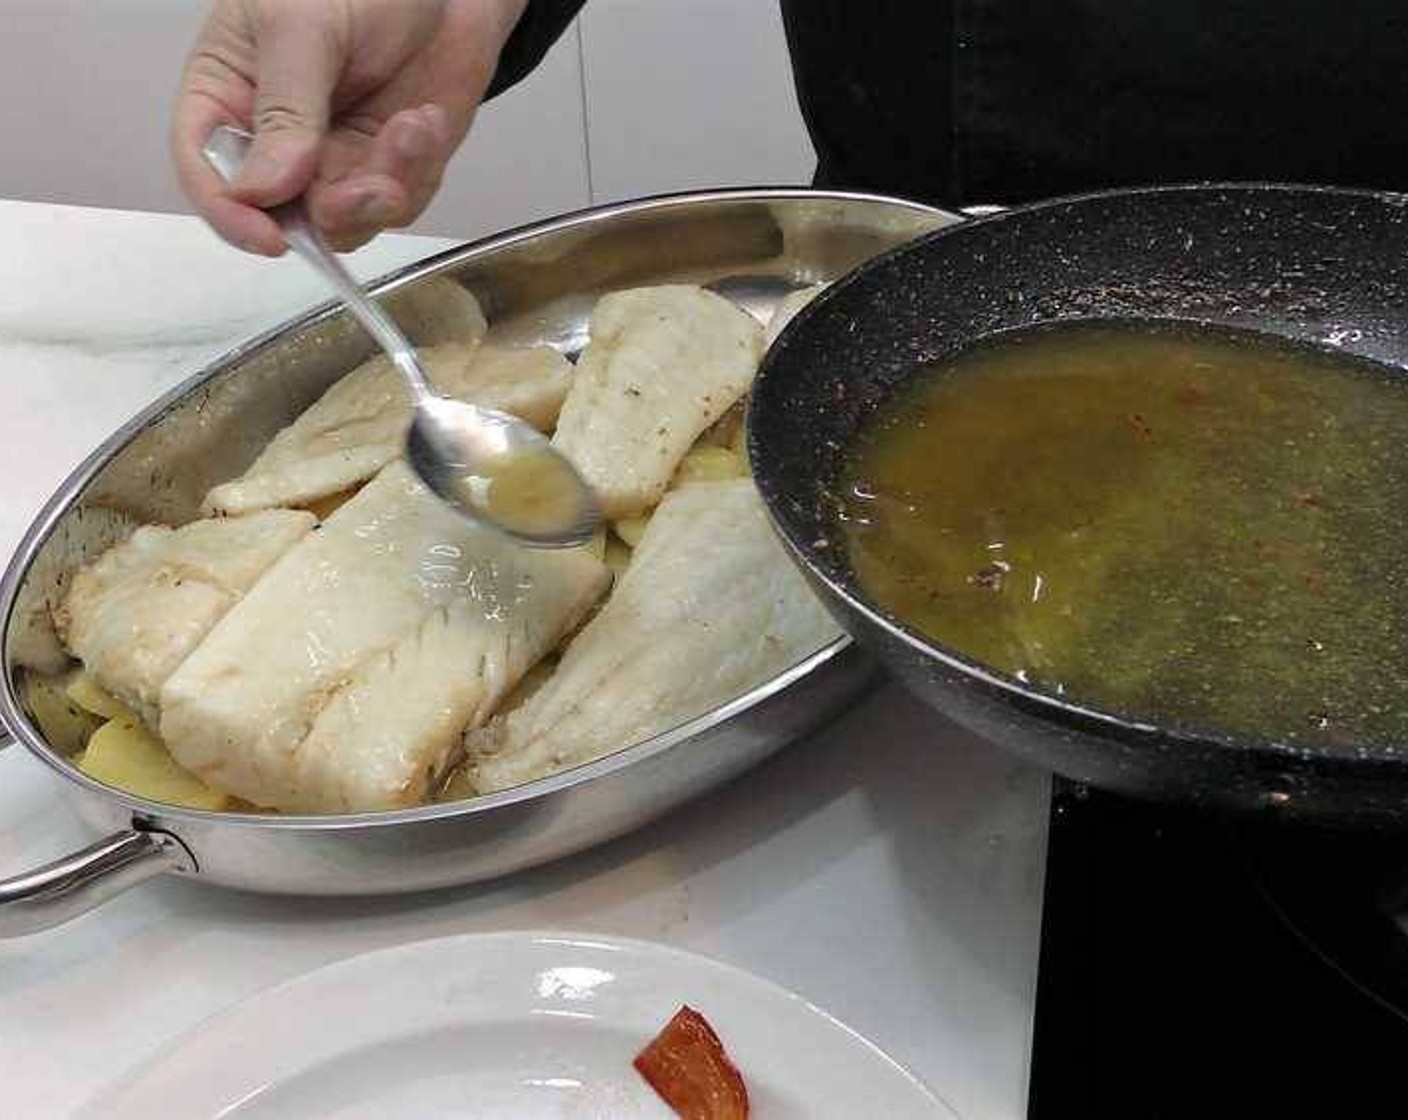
(888,868)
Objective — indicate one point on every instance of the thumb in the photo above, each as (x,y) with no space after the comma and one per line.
(300,59)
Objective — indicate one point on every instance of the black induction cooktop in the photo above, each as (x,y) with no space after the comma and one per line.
(1195,966)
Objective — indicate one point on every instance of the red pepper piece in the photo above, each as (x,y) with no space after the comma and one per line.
(687,1065)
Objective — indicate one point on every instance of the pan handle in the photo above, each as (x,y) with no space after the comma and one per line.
(60,891)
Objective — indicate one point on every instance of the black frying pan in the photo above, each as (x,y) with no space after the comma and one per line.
(1322,266)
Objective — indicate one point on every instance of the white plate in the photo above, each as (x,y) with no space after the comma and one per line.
(510,1025)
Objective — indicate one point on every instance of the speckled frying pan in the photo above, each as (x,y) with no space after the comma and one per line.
(1329,267)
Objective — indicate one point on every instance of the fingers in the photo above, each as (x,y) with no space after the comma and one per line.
(384,181)
(211,94)
(405,92)
(381,168)
(387,173)
(300,58)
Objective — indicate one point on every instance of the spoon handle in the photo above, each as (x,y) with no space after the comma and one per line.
(225,150)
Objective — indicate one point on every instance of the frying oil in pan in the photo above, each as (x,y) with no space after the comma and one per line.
(1198,528)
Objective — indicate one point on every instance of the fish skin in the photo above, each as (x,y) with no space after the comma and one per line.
(345,680)
(359,425)
(663,364)
(709,607)
(134,614)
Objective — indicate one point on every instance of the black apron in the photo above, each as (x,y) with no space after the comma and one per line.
(961,102)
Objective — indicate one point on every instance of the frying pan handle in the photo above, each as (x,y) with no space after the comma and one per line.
(60,891)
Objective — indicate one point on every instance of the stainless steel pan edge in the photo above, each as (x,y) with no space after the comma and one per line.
(437,845)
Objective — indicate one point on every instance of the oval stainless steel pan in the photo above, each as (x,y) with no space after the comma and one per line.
(1326,267)
(536,284)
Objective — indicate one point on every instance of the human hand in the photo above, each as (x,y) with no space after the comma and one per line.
(357,104)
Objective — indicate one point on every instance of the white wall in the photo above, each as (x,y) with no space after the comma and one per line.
(687,94)
(641,96)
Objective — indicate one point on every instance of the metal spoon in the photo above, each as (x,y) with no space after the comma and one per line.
(498,470)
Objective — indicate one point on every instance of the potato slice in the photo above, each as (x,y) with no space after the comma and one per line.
(618,555)
(458,786)
(724,432)
(709,464)
(65,724)
(630,529)
(89,695)
(125,754)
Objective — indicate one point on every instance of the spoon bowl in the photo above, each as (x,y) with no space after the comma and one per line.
(496,469)
(504,470)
